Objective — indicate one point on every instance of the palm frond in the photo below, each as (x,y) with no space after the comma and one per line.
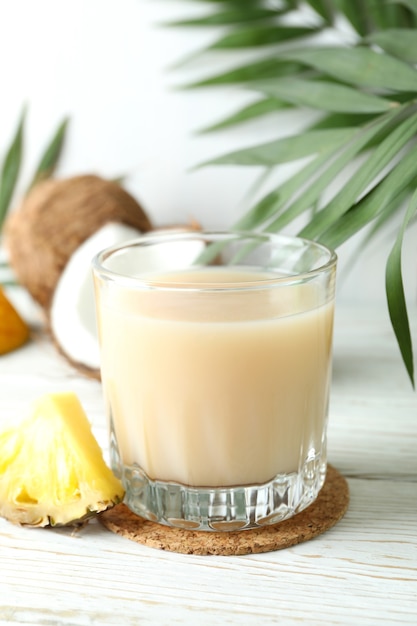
(11,168)
(364,87)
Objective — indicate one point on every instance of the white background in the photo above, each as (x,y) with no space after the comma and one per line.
(105,64)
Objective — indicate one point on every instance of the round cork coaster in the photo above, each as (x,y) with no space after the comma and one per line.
(330,506)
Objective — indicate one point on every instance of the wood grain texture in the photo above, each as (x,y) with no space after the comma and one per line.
(328,509)
(362,571)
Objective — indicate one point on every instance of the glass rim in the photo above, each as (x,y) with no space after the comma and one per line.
(153,237)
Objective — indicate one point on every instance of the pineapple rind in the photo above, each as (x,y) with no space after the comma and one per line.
(52,470)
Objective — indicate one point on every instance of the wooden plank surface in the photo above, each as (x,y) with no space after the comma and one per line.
(363,571)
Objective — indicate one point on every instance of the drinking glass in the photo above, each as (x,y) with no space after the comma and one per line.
(216,354)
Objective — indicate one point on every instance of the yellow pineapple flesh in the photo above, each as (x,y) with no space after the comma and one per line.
(52,470)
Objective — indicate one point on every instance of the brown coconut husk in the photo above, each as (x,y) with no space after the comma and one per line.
(54,220)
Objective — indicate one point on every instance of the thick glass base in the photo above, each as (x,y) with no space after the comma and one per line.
(222,508)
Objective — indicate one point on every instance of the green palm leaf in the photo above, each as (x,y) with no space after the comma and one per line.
(50,157)
(381,221)
(249,112)
(276,200)
(261,36)
(343,120)
(287,149)
(359,66)
(379,159)
(367,16)
(395,293)
(11,168)
(354,12)
(323,95)
(324,9)
(266,68)
(231,16)
(365,87)
(373,204)
(400,42)
(410,4)
(312,194)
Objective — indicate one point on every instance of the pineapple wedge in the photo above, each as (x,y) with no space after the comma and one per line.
(52,470)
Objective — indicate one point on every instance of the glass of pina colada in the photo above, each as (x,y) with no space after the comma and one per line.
(216,364)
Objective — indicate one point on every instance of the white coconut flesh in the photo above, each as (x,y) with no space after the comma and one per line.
(72,313)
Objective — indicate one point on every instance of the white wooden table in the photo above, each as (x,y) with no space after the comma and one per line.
(363,571)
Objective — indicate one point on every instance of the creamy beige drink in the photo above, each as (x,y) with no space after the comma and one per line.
(217,387)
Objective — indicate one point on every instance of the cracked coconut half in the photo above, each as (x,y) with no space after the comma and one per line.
(51,239)
(52,470)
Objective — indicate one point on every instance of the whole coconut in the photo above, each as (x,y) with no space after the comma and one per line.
(55,218)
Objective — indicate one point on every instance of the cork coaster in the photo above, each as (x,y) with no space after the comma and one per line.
(325,512)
